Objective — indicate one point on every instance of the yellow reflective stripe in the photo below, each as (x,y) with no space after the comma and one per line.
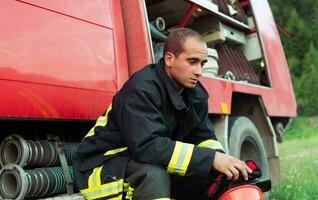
(212,144)
(129,194)
(98,176)
(126,186)
(129,191)
(174,158)
(90,133)
(180,159)
(104,190)
(94,178)
(114,151)
(101,121)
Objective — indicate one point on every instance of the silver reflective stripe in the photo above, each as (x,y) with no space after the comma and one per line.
(103,191)
(94,181)
(183,153)
(100,191)
(180,158)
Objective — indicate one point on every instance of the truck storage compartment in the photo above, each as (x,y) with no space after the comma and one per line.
(226,25)
(220,32)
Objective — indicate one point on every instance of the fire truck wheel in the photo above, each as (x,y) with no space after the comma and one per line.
(246,143)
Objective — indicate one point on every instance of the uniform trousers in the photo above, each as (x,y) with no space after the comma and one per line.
(151,182)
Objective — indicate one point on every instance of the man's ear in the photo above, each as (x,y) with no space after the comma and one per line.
(169,59)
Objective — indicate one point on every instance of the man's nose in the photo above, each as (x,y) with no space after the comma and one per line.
(198,71)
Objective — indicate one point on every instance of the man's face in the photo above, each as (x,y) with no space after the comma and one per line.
(186,69)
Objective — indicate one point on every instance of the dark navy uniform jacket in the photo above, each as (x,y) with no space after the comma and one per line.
(149,121)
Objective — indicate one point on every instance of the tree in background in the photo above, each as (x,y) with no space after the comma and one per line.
(315,26)
(298,43)
(300,18)
(308,83)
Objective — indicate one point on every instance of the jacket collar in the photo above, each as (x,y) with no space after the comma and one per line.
(192,96)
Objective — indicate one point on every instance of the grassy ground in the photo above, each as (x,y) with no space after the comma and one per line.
(302,127)
(299,162)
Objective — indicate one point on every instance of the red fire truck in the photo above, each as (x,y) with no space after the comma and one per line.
(61,62)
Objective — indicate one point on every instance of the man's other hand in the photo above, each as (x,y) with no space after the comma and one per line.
(230,166)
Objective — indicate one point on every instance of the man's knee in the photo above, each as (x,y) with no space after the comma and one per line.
(157,174)
(147,173)
(149,181)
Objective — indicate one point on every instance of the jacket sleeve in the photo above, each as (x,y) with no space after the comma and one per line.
(143,128)
(203,134)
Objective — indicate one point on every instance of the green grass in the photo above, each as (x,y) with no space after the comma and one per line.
(301,127)
(299,162)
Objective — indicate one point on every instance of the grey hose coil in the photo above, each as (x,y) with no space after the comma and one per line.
(16,183)
(155,33)
(16,150)
(159,23)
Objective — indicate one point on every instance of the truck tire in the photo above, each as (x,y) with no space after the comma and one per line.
(246,143)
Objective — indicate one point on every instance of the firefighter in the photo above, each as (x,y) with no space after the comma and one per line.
(155,140)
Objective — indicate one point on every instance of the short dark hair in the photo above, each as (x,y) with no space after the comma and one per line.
(174,42)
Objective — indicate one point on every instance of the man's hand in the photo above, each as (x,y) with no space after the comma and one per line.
(230,166)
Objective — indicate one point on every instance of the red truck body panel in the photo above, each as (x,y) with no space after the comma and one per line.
(66,59)
(60,59)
